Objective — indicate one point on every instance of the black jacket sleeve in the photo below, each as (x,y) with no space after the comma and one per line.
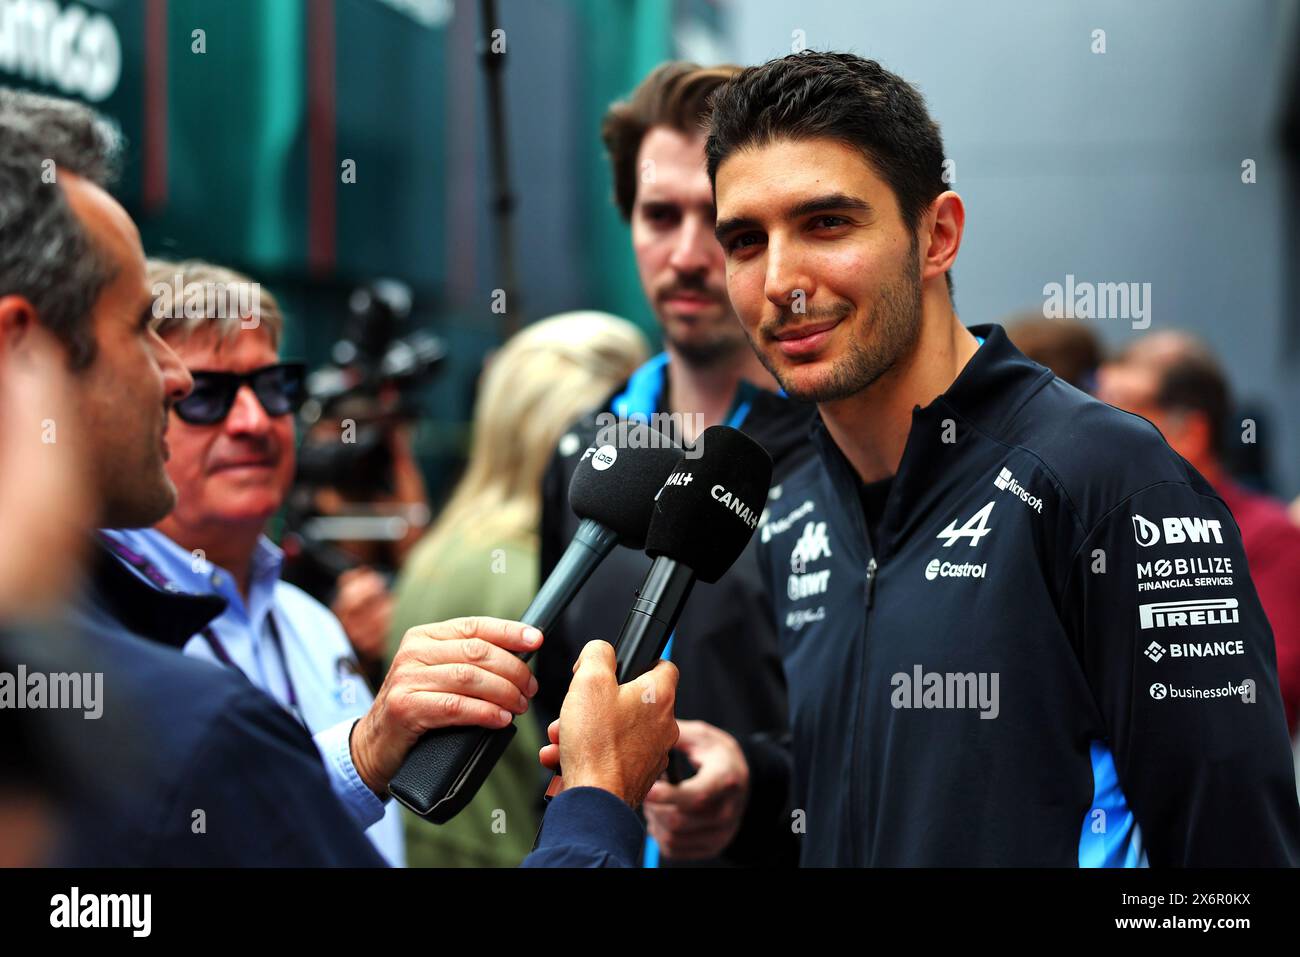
(1180,659)
(256,795)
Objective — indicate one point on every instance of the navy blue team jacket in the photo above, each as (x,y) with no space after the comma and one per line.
(1053,654)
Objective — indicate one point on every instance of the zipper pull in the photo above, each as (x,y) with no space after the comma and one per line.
(871,583)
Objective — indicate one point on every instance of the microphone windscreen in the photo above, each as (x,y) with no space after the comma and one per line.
(617,478)
(710,505)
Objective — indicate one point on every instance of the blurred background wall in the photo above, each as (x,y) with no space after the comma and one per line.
(1115,166)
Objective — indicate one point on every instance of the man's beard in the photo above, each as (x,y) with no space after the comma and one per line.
(710,352)
(889,335)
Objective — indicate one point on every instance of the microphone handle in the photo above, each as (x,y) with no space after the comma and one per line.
(652,617)
(648,626)
(447,766)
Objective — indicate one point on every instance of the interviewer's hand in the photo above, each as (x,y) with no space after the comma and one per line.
(611,736)
(698,818)
(457,672)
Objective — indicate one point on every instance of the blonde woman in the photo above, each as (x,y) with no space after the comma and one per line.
(481,556)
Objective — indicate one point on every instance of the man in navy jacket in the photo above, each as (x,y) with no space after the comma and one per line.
(1017,628)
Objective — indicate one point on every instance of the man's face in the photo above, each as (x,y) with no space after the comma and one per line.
(124,394)
(1135,387)
(677,256)
(237,471)
(821,269)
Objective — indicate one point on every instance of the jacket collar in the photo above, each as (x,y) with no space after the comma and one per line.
(986,394)
(169,618)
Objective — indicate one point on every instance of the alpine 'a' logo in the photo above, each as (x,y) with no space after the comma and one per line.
(976,527)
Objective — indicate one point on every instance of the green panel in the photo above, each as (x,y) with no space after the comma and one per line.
(612,70)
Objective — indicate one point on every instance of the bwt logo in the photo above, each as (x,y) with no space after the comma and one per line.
(1177,530)
(1183,614)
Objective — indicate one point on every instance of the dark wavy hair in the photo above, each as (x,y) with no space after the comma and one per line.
(674,94)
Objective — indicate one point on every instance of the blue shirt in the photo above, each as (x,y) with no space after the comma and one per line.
(330,693)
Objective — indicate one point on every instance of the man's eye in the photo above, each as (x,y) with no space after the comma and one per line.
(743,241)
(829,222)
(659,215)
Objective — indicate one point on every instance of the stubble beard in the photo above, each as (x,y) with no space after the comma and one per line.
(877,346)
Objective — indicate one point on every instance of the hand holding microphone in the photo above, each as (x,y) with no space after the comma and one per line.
(613,492)
(615,737)
(703,518)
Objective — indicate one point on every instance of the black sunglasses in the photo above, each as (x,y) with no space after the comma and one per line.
(280,388)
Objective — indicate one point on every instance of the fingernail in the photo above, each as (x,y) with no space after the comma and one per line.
(532,636)
(506,716)
(532,686)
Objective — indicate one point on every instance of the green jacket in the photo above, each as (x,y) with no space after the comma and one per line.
(463,578)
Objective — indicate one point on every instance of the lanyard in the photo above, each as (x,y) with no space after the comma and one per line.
(151,572)
(219,650)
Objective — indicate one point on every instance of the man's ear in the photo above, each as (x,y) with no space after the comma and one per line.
(946,221)
(17,317)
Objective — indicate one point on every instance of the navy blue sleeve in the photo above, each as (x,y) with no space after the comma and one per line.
(588,827)
(264,797)
(1180,658)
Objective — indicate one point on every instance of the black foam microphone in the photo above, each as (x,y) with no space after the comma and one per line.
(613,493)
(704,516)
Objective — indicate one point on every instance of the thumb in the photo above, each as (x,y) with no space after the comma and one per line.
(596,655)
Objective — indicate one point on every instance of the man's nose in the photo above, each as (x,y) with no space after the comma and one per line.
(177,381)
(247,415)
(696,246)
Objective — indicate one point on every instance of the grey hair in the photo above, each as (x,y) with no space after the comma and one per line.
(179,286)
(46,255)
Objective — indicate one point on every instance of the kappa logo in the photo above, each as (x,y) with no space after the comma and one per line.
(812,545)
(1177,530)
(1007,483)
(976,527)
(1186,614)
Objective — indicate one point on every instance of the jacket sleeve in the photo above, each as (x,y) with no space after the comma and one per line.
(256,795)
(587,827)
(1180,659)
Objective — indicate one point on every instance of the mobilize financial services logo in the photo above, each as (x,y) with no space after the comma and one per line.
(1177,530)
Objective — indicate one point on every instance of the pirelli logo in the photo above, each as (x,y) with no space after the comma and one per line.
(1182,614)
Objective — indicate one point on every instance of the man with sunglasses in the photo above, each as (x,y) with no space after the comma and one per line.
(232,462)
